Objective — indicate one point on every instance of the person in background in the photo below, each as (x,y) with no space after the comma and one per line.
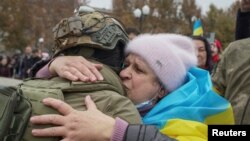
(204,53)
(161,78)
(216,49)
(132,32)
(25,63)
(243,20)
(36,57)
(15,61)
(45,56)
(5,69)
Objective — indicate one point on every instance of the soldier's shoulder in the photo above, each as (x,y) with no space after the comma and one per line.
(242,44)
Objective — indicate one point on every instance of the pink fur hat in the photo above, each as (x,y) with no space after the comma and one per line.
(169,55)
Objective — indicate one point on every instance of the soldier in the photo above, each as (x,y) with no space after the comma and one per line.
(231,78)
(99,38)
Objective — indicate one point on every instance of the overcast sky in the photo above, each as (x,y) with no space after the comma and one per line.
(101,3)
(204,4)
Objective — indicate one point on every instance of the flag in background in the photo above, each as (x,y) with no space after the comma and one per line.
(197,28)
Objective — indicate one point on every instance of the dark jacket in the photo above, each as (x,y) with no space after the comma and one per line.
(145,133)
(37,66)
(242,25)
(5,71)
(26,64)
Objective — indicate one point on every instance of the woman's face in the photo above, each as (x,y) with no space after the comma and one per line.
(139,80)
(201,53)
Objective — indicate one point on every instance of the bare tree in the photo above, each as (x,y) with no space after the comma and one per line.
(28,20)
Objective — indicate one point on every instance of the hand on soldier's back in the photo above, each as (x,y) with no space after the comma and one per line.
(76,68)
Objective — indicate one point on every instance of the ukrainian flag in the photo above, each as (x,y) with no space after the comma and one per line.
(197,28)
(185,113)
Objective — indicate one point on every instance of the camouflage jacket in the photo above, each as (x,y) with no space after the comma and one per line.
(232,79)
(108,95)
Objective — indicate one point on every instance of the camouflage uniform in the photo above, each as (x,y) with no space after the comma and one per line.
(232,79)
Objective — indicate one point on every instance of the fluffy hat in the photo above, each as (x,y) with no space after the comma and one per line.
(169,55)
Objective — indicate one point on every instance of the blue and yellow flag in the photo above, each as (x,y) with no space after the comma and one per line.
(197,28)
(185,113)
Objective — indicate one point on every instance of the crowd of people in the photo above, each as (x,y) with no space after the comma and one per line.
(145,86)
(19,64)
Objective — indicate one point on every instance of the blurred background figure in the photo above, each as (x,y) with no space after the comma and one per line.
(216,49)
(15,62)
(36,56)
(204,53)
(242,22)
(24,63)
(132,32)
(29,58)
(45,56)
(5,69)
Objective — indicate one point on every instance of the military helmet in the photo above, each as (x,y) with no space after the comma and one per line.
(93,30)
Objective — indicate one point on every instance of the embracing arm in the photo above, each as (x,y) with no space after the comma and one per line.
(145,132)
(74,125)
(138,132)
(73,68)
(91,125)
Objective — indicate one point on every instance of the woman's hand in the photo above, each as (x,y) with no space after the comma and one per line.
(76,68)
(75,125)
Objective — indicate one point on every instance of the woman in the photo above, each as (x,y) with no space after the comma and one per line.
(170,93)
(216,49)
(204,53)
